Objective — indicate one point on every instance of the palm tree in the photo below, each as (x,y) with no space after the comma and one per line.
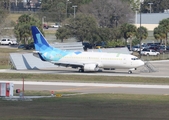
(159,33)
(128,31)
(164,25)
(142,33)
(124,29)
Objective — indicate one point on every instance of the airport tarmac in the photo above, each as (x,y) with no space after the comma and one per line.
(162,68)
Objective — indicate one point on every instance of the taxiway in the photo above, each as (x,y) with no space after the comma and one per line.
(161,66)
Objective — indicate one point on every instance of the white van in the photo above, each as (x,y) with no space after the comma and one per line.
(8,41)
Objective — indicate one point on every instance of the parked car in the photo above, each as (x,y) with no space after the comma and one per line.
(8,41)
(45,26)
(162,48)
(136,48)
(22,46)
(55,26)
(30,46)
(154,47)
(152,44)
(167,48)
(149,52)
(27,46)
(87,45)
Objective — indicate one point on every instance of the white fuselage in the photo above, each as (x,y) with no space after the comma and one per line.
(104,60)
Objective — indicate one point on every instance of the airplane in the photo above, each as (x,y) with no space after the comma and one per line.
(84,61)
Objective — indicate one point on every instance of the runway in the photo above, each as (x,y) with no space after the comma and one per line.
(59,87)
(162,66)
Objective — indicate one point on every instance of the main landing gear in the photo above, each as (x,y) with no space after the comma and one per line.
(81,70)
(129,72)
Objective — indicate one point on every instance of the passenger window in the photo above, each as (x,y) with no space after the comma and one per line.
(134,59)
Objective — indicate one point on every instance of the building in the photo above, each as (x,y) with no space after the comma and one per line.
(150,20)
(25,5)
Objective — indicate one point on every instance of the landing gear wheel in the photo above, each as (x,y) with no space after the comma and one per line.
(129,72)
(81,70)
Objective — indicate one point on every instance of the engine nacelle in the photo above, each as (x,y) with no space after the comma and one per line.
(91,67)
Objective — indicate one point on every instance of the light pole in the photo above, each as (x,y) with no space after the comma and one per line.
(66,7)
(141,2)
(150,6)
(9,6)
(116,19)
(136,11)
(67,1)
(16,2)
(74,6)
(43,19)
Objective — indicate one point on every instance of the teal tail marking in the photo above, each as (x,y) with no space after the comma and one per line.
(46,52)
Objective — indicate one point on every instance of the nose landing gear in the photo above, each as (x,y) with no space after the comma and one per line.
(81,70)
(129,72)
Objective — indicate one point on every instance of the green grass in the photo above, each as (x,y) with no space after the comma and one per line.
(88,107)
(4,56)
(13,17)
(82,78)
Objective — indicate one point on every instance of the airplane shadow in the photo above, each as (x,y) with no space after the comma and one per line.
(55,71)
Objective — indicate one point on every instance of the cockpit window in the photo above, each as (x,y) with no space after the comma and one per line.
(134,59)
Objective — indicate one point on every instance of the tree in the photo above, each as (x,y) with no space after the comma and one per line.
(58,10)
(135,4)
(62,33)
(3,13)
(142,33)
(83,27)
(105,34)
(124,30)
(22,29)
(158,6)
(54,10)
(128,31)
(164,25)
(159,33)
(108,13)
(131,33)
(116,34)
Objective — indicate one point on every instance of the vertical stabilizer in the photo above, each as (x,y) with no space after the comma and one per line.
(39,40)
(44,50)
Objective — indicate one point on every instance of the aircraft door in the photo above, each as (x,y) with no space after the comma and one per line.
(127,62)
(124,61)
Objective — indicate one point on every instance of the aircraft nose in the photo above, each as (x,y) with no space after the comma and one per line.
(142,63)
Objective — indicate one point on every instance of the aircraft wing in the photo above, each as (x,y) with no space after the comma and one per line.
(72,64)
(68,64)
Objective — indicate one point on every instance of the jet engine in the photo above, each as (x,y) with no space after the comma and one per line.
(91,67)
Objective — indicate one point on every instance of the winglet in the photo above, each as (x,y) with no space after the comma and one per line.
(39,40)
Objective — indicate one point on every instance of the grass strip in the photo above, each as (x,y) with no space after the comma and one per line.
(82,78)
(89,106)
